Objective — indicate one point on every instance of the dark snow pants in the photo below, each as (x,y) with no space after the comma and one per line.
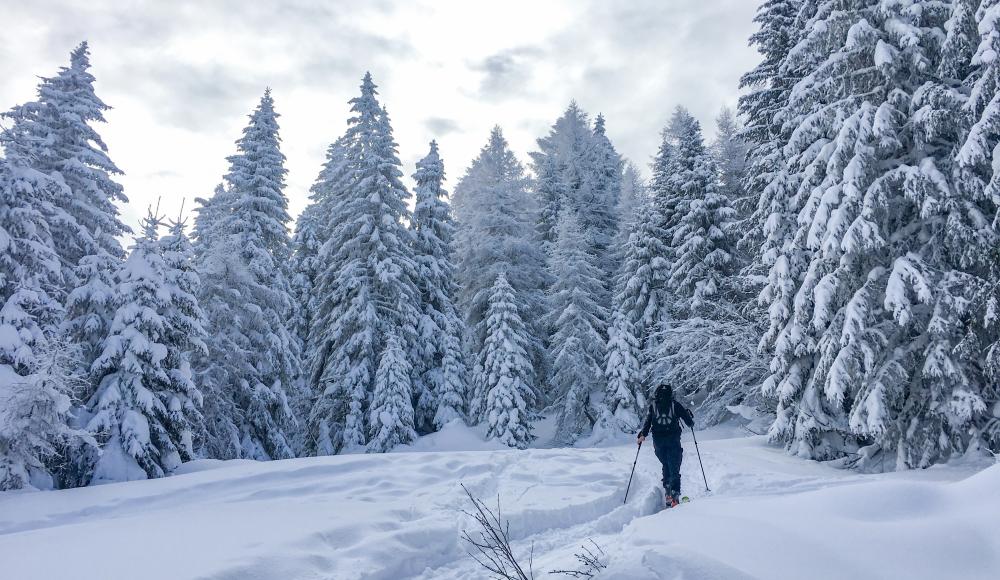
(669,452)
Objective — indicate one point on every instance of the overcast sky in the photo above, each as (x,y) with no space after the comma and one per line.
(183,76)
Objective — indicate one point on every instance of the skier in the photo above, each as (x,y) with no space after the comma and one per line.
(663,418)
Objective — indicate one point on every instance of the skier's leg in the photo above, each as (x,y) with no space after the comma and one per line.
(660,448)
(676,456)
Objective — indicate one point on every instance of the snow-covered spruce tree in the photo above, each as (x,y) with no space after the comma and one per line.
(599,196)
(311,233)
(640,303)
(252,358)
(876,358)
(367,290)
(35,385)
(558,166)
(438,352)
(55,135)
(632,197)
(185,317)
(579,322)
(978,32)
(207,216)
(700,246)
(507,370)
(390,416)
(146,412)
(496,234)
(705,348)
(305,268)
(577,167)
(771,181)
(729,152)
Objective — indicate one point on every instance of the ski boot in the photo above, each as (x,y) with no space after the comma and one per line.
(670,501)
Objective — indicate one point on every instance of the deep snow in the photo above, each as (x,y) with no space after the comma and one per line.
(399,515)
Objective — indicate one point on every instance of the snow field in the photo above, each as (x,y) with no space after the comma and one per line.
(400,515)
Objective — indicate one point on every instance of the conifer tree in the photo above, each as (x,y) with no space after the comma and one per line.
(507,372)
(146,409)
(55,133)
(390,420)
(601,191)
(640,304)
(496,235)
(35,377)
(700,247)
(252,359)
(559,167)
(579,323)
(367,290)
(877,357)
(438,356)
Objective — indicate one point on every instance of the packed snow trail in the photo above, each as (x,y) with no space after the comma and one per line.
(400,516)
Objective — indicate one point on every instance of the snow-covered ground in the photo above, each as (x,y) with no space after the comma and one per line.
(400,516)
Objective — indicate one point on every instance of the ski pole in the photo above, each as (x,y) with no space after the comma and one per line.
(633,472)
(698,451)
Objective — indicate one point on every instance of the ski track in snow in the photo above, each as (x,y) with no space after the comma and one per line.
(401,515)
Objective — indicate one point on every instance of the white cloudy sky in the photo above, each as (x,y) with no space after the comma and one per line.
(182,76)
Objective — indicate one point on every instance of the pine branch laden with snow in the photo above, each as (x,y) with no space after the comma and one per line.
(367,289)
(439,363)
(579,323)
(146,411)
(243,248)
(507,374)
(496,234)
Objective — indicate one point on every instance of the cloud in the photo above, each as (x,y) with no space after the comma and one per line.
(507,73)
(440,126)
(183,75)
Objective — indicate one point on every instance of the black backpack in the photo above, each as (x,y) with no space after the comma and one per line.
(665,419)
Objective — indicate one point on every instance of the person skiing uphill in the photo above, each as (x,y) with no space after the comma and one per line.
(664,420)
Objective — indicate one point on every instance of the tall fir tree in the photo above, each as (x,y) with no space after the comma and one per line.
(146,409)
(559,167)
(506,367)
(496,234)
(640,304)
(699,243)
(438,357)
(601,191)
(56,134)
(252,358)
(579,321)
(367,290)
(705,347)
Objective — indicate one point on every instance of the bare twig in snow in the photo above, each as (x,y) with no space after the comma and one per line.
(591,562)
(492,545)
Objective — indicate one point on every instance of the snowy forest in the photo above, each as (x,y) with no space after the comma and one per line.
(823,263)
